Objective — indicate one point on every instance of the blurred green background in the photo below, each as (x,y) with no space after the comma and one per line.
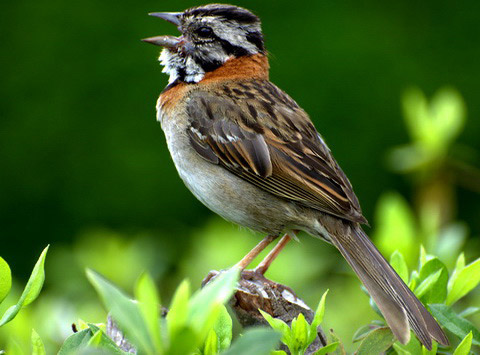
(84,165)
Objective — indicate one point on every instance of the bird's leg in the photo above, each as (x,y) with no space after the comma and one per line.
(265,264)
(252,254)
(257,274)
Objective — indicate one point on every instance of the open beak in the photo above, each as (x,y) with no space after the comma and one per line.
(166,41)
(172,17)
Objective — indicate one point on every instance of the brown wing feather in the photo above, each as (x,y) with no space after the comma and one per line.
(284,154)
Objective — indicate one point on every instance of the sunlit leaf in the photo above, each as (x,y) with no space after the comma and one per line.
(432,282)
(464,347)
(211,344)
(279,325)
(427,284)
(320,312)
(463,281)
(206,303)
(425,351)
(223,329)
(100,340)
(300,331)
(454,323)
(448,113)
(148,302)
(37,344)
(31,290)
(5,279)
(183,341)
(401,351)
(423,256)
(178,313)
(96,339)
(399,265)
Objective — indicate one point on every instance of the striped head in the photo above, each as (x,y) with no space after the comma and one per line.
(210,35)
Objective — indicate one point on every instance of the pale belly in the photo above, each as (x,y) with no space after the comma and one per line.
(226,194)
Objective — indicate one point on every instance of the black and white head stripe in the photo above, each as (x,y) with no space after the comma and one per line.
(227,12)
(213,34)
(226,20)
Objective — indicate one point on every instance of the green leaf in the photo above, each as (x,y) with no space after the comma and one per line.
(178,313)
(75,342)
(454,323)
(412,347)
(327,349)
(463,281)
(101,340)
(37,344)
(319,313)
(35,282)
(400,350)
(423,256)
(205,304)
(148,302)
(470,311)
(432,288)
(427,284)
(124,311)
(5,279)
(378,341)
(31,290)
(362,332)
(395,227)
(280,326)
(211,344)
(301,332)
(96,339)
(183,341)
(425,351)
(448,114)
(399,265)
(258,341)
(464,347)
(460,264)
(223,329)
(335,339)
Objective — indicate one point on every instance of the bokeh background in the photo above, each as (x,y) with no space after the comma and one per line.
(84,165)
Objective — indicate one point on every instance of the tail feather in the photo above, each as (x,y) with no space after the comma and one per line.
(400,307)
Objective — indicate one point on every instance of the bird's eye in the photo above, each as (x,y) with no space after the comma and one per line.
(204,32)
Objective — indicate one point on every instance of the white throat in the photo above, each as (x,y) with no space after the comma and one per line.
(173,65)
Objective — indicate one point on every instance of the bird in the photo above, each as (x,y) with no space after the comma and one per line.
(252,155)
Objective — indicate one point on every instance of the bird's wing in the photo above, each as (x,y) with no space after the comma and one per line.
(259,133)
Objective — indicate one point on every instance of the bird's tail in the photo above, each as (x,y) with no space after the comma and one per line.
(401,309)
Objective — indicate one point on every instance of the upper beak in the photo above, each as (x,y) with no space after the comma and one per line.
(166,41)
(172,17)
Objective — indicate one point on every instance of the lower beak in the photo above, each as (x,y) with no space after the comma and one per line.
(163,41)
(166,41)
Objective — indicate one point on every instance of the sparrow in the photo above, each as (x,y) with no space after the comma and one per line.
(252,155)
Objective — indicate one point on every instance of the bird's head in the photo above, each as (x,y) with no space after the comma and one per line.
(210,35)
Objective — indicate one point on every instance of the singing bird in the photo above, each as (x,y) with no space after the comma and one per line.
(247,151)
